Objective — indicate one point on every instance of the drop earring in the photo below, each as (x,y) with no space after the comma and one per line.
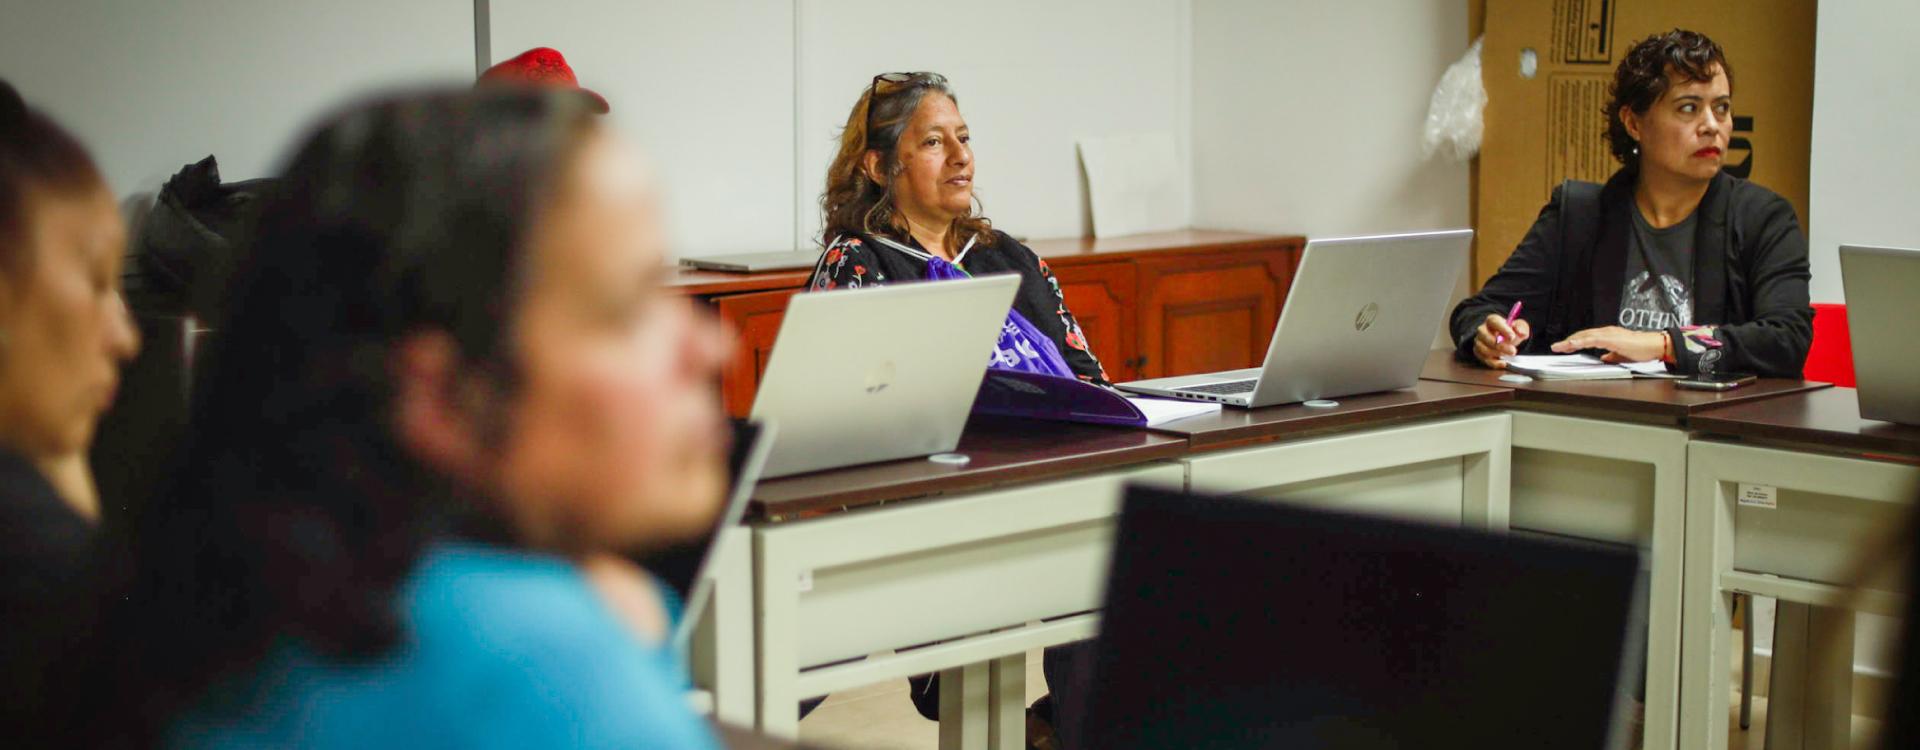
(1636,149)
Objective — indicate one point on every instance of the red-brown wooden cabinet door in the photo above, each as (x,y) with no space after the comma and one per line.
(756,319)
(1101,297)
(1204,312)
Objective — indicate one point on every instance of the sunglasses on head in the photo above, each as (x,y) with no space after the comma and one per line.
(896,81)
(921,78)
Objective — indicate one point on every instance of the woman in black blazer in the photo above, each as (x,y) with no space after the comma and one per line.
(1672,259)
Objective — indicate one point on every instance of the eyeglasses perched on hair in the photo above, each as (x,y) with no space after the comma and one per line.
(892,80)
(896,81)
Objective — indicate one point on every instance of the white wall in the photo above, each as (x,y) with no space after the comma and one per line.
(1865,180)
(741,101)
(152,86)
(1307,115)
(1307,118)
(1032,77)
(706,87)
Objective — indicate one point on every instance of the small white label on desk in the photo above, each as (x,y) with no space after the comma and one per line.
(806,581)
(1759,496)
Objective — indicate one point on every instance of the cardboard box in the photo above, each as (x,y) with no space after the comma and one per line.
(1548,126)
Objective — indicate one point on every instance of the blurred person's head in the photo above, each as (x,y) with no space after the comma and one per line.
(1671,107)
(905,160)
(64,327)
(449,323)
(540,66)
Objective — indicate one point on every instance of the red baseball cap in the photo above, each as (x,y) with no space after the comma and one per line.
(541,66)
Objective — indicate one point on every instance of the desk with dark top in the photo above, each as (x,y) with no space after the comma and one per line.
(1827,419)
(919,567)
(1650,398)
(1001,450)
(1607,460)
(1786,497)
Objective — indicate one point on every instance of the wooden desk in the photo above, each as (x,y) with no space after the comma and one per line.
(1826,484)
(1003,451)
(1652,398)
(1235,427)
(1827,418)
(1607,461)
(875,573)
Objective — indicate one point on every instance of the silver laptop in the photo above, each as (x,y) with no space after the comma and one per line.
(687,567)
(779,260)
(1881,309)
(1360,318)
(864,375)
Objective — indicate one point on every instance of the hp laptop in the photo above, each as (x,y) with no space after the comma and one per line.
(1234,623)
(779,260)
(1881,310)
(687,567)
(1360,318)
(864,375)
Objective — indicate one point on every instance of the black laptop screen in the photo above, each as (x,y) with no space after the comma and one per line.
(1240,624)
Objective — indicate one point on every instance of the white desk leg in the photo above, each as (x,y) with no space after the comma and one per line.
(1007,696)
(964,695)
(777,662)
(1815,644)
(731,623)
(1664,604)
(1486,490)
(1707,612)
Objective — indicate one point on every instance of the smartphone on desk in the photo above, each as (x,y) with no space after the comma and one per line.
(1716,381)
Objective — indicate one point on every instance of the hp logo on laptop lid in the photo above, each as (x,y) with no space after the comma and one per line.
(879,378)
(1365,319)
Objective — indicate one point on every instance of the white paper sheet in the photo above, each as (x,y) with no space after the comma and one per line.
(1160,411)
(1132,184)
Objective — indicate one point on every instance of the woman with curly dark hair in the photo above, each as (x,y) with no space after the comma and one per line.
(1672,259)
(446,397)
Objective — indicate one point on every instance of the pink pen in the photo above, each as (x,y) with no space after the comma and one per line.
(1512,315)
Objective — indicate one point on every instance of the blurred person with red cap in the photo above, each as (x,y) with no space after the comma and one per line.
(541,66)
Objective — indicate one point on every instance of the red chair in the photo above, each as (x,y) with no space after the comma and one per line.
(1830,359)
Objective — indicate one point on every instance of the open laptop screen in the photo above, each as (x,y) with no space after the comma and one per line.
(1234,623)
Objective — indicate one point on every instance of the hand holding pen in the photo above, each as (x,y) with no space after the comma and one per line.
(1500,337)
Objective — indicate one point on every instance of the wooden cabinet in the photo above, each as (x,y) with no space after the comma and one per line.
(755,317)
(1100,295)
(1170,303)
(1212,312)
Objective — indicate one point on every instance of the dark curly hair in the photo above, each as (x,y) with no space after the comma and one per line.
(1642,78)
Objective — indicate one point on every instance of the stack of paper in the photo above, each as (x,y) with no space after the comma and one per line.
(1568,367)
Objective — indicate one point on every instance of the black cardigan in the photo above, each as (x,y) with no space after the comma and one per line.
(855,261)
(1749,269)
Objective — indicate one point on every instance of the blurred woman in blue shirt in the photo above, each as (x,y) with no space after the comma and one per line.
(448,397)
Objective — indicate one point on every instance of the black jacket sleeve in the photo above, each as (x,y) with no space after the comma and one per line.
(1528,276)
(1774,340)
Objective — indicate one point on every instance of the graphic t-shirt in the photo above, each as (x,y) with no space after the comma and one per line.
(1659,285)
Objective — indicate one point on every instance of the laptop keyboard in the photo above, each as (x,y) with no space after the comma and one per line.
(1228,388)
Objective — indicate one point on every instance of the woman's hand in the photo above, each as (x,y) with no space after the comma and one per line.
(1497,338)
(1622,345)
